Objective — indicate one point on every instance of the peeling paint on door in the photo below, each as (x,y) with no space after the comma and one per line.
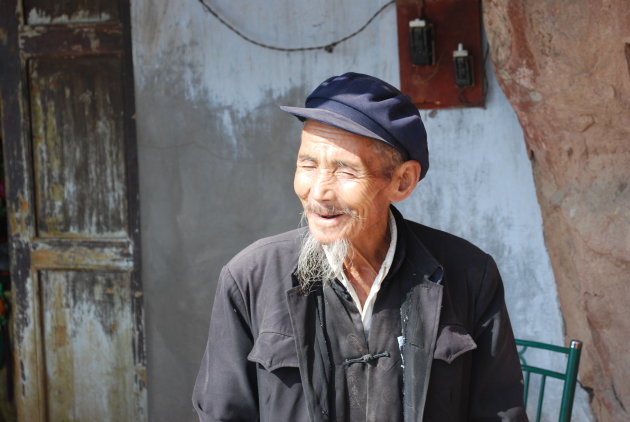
(40,12)
(78,147)
(87,326)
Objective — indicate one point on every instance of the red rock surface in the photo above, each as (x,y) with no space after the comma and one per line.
(565,68)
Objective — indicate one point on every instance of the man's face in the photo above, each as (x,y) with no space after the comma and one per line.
(339,180)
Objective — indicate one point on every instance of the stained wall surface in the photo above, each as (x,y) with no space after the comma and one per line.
(217,158)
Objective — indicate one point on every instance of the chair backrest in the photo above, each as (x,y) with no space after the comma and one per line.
(569,376)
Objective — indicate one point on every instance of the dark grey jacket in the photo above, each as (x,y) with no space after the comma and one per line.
(460,361)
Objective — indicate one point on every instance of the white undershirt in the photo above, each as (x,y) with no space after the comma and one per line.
(368,306)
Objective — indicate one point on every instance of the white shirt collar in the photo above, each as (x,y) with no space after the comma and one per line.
(368,306)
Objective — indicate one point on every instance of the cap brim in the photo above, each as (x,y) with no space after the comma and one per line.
(333,119)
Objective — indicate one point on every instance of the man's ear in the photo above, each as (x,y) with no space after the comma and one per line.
(405,179)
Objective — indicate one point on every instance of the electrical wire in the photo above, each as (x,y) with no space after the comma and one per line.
(326,47)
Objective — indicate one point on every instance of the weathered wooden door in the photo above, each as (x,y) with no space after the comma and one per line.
(70,152)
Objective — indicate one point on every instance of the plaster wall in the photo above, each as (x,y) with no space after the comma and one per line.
(217,158)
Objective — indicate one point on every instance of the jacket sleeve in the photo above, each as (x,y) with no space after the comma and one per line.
(226,388)
(497,379)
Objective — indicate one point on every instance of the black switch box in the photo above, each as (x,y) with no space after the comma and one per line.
(421,43)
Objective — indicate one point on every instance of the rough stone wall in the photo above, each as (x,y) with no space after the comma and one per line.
(565,67)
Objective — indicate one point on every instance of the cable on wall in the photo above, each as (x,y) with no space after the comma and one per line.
(326,47)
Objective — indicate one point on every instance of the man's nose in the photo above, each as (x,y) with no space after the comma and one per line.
(322,189)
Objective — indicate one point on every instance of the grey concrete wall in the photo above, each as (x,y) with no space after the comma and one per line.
(217,159)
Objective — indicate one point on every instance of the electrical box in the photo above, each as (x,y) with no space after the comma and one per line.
(440,52)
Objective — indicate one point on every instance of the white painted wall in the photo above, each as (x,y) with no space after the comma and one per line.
(217,156)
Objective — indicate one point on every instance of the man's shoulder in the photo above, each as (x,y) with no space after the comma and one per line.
(467,268)
(281,250)
(446,247)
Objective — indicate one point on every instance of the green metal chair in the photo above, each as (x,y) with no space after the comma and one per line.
(569,376)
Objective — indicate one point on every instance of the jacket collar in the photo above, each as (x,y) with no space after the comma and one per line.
(419,276)
(410,245)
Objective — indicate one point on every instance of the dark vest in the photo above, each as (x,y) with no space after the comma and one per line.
(366,376)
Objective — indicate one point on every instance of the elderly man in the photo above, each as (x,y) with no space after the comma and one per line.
(362,316)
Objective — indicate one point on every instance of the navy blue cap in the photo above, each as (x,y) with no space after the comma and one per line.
(370,107)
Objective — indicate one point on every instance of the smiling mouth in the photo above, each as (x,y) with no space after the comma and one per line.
(329,213)
(329,217)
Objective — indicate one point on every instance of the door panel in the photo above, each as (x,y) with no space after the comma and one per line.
(87,326)
(78,147)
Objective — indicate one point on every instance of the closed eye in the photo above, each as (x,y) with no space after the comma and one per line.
(306,162)
(345,169)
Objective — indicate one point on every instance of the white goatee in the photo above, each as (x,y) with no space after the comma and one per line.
(320,263)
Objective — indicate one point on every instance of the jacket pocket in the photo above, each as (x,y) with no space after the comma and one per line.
(452,342)
(274,350)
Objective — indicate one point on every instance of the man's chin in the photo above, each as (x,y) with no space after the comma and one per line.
(324,239)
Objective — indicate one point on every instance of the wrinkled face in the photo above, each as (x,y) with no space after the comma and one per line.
(340,182)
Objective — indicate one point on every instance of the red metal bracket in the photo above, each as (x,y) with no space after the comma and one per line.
(454,21)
